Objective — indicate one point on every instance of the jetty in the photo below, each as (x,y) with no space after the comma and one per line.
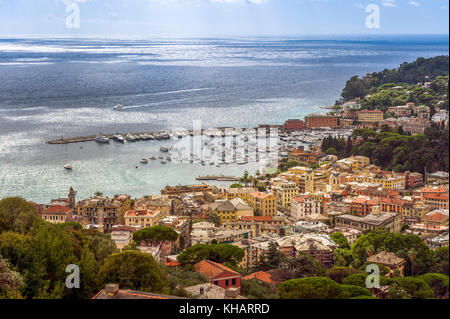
(221,178)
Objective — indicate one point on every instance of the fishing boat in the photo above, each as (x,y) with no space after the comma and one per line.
(68,167)
(163,162)
(164,149)
(144,161)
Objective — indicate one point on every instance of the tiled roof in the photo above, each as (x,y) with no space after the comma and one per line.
(58,209)
(212,269)
(256,218)
(386,258)
(141,213)
(262,276)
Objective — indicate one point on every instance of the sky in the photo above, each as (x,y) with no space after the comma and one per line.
(209,18)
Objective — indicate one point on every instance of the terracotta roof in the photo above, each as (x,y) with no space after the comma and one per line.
(262,276)
(58,209)
(212,270)
(256,218)
(141,213)
(260,195)
(436,196)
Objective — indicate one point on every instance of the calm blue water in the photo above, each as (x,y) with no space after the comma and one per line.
(67,87)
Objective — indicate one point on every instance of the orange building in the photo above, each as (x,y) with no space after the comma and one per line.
(321,121)
(437,201)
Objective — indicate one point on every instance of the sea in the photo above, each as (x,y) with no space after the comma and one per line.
(64,87)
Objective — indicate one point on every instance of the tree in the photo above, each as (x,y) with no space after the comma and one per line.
(331,151)
(134,270)
(16,214)
(255,289)
(438,283)
(412,257)
(340,240)
(304,265)
(318,288)
(10,281)
(221,253)
(339,273)
(271,259)
(213,218)
(414,287)
(155,235)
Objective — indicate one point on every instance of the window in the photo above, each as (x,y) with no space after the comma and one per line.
(226,282)
(233,281)
(216,283)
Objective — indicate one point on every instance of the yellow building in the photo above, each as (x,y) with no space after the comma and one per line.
(395,182)
(264,204)
(363,161)
(285,191)
(142,218)
(225,210)
(368,116)
(242,193)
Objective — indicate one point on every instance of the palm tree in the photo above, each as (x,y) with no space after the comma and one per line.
(412,254)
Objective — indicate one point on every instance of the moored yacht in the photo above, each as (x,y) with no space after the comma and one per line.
(119,138)
(102,139)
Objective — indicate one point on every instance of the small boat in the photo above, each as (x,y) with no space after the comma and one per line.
(119,138)
(164,149)
(130,138)
(144,161)
(168,158)
(68,166)
(163,162)
(102,139)
(153,158)
(118,107)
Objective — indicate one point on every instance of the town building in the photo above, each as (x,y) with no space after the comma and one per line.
(303,206)
(219,275)
(389,260)
(264,204)
(321,121)
(370,116)
(142,218)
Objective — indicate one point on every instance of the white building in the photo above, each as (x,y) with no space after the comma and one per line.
(303,206)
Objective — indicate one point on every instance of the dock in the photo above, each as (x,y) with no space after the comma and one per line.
(221,178)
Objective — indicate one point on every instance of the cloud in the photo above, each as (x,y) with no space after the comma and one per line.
(414,3)
(389,3)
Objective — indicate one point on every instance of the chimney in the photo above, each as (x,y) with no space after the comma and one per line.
(232,293)
(111,289)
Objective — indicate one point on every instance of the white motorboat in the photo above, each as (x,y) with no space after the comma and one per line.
(118,107)
(102,139)
(119,138)
(68,166)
